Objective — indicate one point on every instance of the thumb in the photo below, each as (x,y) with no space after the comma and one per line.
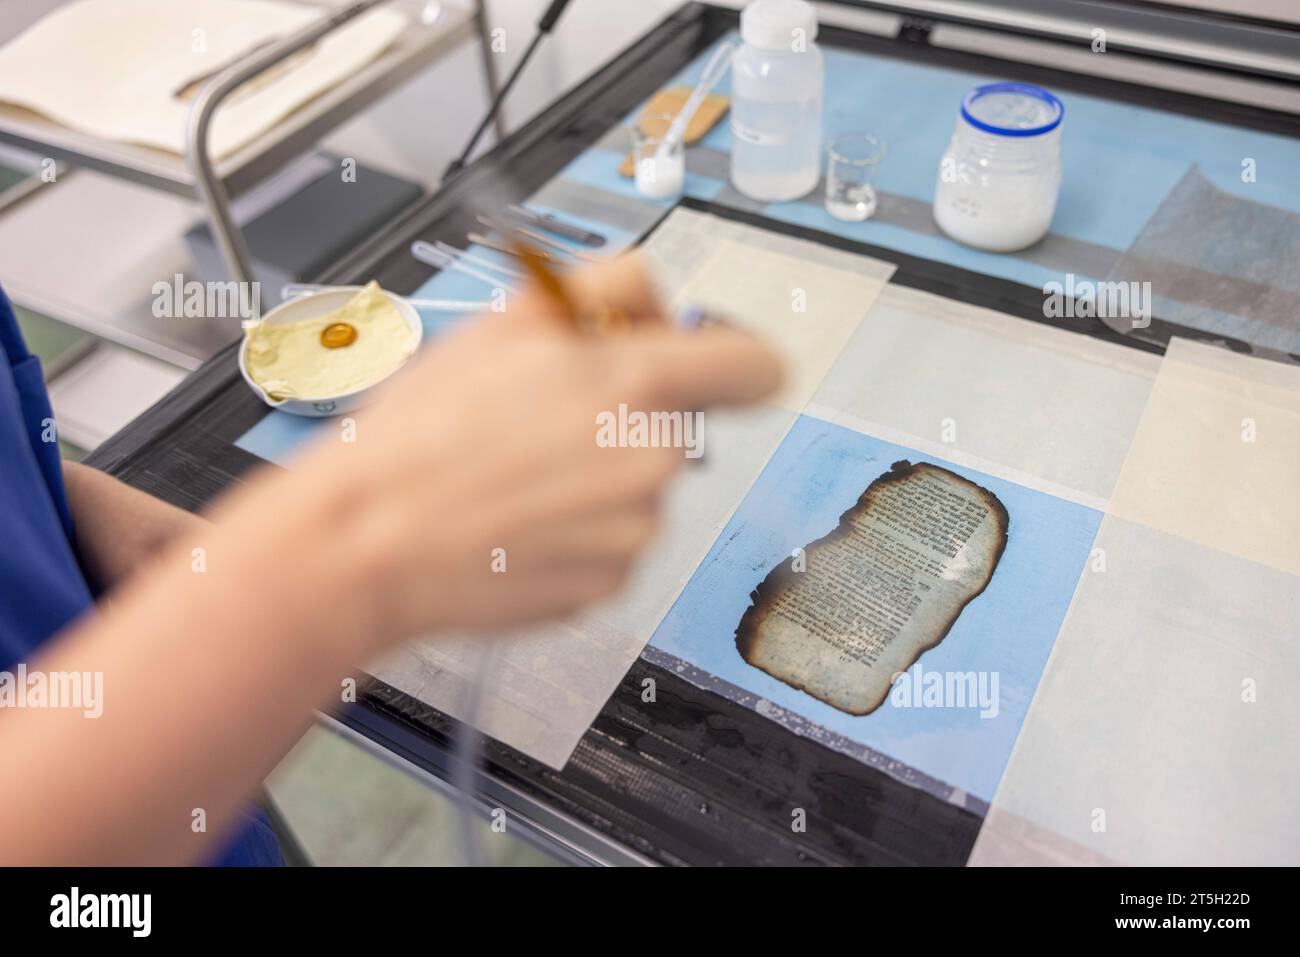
(620,289)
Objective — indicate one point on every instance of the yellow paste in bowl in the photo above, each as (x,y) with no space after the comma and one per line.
(292,360)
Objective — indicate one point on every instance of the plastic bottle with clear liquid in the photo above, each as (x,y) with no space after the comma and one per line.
(777,80)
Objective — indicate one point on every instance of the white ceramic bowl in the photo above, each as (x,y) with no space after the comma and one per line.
(311,307)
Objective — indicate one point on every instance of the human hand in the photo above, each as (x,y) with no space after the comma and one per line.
(476,495)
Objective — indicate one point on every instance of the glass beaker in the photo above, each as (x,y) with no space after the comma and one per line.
(659,171)
(852,159)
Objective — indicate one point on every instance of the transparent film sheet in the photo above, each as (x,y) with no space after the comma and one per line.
(546,686)
(1166,725)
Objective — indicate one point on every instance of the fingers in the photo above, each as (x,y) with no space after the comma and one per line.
(607,482)
(680,370)
(518,447)
(613,534)
(695,370)
(622,284)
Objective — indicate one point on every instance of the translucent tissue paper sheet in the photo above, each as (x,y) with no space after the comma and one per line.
(1165,727)
(1221,263)
(805,298)
(546,686)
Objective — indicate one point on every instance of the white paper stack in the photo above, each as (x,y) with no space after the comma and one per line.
(126,70)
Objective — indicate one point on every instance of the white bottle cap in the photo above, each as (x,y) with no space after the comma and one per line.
(778,24)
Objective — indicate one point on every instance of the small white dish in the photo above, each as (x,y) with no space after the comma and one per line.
(312,307)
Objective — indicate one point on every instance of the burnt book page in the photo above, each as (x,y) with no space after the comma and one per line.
(861,604)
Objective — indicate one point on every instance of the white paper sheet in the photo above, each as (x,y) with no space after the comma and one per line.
(117,68)
(1051,410)
(1217,459)
(1166,726)
(1164,731)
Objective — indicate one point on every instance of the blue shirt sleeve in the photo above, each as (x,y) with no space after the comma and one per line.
(42,588)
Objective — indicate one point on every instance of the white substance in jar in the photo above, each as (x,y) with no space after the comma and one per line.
(999,179)
(661,175)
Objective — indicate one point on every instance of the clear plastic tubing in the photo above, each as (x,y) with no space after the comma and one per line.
(777,79)
(999,179)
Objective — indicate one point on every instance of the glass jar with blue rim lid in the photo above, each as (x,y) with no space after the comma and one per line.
(999,179)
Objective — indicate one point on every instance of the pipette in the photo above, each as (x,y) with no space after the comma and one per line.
(295,289)
(713,72)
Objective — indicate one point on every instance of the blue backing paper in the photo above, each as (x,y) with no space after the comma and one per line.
(817,473)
